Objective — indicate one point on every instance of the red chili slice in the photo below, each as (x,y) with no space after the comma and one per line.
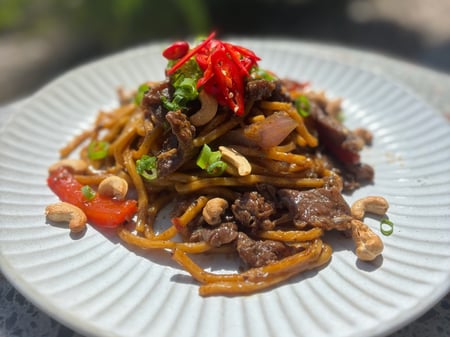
(176,50)
(229,81)
(225,69)
(193,51)
(101,211)
(236,57)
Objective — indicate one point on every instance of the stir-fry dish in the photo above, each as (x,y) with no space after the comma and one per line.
(250,164)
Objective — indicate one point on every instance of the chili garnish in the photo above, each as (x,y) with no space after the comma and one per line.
(225,69)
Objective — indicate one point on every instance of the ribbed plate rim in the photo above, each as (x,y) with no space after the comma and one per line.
(296,46)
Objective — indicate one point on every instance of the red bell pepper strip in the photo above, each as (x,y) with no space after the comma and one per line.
(101,211)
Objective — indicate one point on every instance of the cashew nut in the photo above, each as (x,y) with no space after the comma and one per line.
(364,134)
(333,106)
(76,165)
(65,212)
(236,159)
(114,187)
(368,244)
(213,209)
(206,112)
(333,180)
(372,204)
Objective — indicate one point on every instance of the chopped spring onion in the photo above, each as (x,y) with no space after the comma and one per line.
(186,90)
(88,192)
(97,150)
(184,82)
(210,161)
(143,88)
(217,168)
(386,227)
(146,167)
(258,72)
(302,105)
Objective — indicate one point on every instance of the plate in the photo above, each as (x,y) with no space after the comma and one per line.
(98,287)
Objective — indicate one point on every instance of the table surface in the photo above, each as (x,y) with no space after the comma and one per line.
(20,318)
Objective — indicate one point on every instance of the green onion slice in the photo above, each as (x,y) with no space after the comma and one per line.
(88,192)
(210,161)
(203,157)
(302,105)
(216,168)
(184,81)
(386,226)
(258,72)
(146,167)
(97,150)
(143,88)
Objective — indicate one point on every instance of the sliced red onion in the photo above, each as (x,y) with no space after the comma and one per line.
(272,130)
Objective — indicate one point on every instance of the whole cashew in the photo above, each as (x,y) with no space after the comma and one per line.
(213,209)
(76,165)
(114,187)
(368,244)
(372,204)
(206,112)
(236,159)
(65,212)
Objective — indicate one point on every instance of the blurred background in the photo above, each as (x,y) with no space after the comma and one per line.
(39,39)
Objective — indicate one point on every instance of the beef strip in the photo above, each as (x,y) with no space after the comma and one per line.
(225,233)
(182,135)
(324,208)
(253,211)
(151,103)
(334,131)
(344,145)
(356,174)
(258,253)
(257,90)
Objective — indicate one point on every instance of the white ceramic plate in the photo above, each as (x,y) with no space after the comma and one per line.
(98,287)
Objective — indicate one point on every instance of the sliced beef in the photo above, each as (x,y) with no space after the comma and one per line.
(355,175)
(332,131)
(257,90)
(178,146)
(151,102)
(258,253)
(294,85)
(352,175)
(218,236)
(253,211)
(344,146)
(324,208)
